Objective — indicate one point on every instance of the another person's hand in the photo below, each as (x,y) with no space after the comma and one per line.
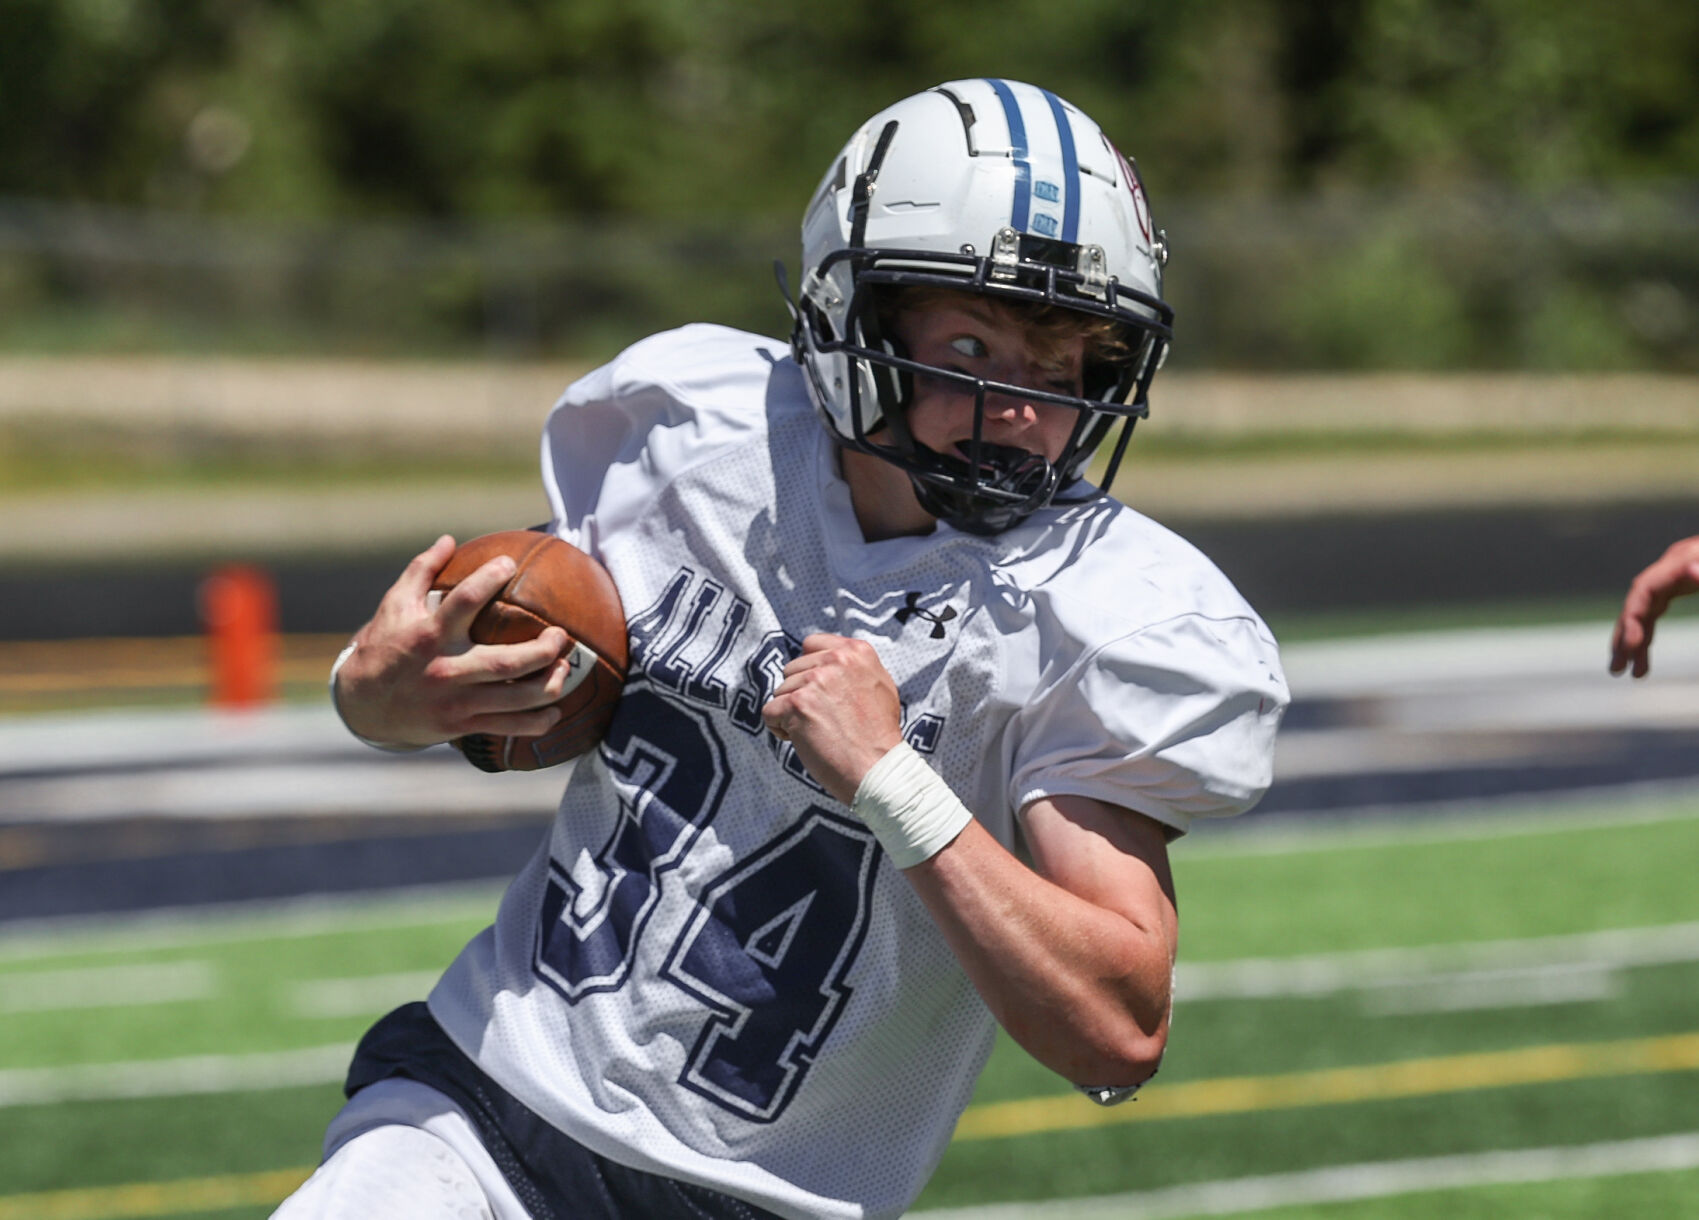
(1675,574)
(839,706)
(416,678)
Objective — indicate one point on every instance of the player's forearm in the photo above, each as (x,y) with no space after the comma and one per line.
(356,717)
(1084,990)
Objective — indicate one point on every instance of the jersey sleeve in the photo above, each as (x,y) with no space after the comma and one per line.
(1176,721)
(621,433)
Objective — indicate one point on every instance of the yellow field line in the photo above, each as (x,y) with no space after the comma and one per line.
(1335,1086)
(135,1200)
(1036,1116)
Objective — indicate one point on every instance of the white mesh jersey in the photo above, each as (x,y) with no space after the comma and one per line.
(709,970)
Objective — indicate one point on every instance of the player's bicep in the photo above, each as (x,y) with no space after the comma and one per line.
(1108,855)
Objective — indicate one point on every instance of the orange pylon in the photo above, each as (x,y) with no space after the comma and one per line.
(238,605)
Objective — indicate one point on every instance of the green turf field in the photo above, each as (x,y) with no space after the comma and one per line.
(1479,1015)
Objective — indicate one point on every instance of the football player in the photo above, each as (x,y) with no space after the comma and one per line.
(915,710)
(1675,574)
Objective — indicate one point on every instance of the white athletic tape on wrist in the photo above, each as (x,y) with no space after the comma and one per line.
(909,809)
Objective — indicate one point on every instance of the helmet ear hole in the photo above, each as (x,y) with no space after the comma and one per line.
(896,386)
(1107,381)
(1099,380)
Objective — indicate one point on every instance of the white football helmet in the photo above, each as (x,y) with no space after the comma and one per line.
(991,187)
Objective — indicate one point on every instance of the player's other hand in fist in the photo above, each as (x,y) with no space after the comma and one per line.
(414,677)
(839,706)
(1672,576)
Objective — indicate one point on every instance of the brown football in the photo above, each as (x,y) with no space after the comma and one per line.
(556,584)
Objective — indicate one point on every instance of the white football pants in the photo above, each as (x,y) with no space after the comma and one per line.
(400,1150)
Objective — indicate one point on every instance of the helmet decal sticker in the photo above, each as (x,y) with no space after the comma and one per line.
(1141,207)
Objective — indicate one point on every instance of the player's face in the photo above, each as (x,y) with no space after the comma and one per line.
(971,338)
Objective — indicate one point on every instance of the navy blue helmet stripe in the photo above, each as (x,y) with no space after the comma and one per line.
(1070,167)
(1017,144)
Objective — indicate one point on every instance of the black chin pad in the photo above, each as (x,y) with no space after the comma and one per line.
(1008,484)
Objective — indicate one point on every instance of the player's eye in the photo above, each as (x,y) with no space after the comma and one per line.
(969,345)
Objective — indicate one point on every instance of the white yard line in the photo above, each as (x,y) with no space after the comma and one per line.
(1518,816)
(1531,987)
(106,986)
(1496,973)
(174,1077)
(289,919)
(1370,1180)
(369,995)
(1457,967)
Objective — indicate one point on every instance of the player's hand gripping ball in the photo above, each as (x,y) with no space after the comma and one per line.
(556,584)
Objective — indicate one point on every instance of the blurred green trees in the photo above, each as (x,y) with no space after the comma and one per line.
(1350,183)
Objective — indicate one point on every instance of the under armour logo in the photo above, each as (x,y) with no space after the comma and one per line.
(911,610)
